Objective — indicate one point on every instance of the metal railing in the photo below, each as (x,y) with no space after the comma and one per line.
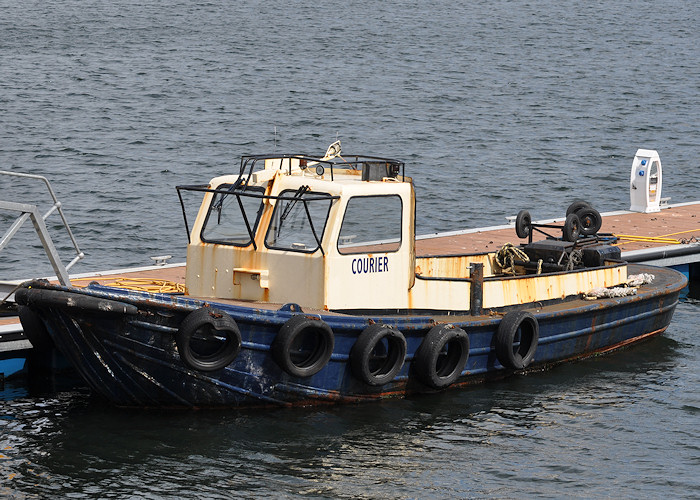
(29,211)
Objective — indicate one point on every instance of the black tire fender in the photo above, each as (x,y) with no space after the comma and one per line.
(516,339)
(73,300)
(523,224)
(208,326)
(442,356)
(378,354)
(303,346)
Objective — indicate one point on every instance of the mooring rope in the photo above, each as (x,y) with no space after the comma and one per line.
(629,287)
(574,259)
(647,239)
(143,284)
(150,285)
(505,258)
(663,239)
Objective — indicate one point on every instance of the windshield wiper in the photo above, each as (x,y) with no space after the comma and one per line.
(218,206)
(297,196)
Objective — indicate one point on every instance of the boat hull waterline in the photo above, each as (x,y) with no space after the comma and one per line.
(124,344)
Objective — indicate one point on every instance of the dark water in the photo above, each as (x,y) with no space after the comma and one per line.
(495,106)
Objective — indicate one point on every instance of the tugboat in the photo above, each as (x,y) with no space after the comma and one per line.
(303,287)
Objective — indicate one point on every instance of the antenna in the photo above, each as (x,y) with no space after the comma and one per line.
(275,137)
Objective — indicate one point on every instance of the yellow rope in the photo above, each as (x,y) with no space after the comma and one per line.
(505,258)
(682,232)
(655,239)
(647,239)
(141,284)
(149,285)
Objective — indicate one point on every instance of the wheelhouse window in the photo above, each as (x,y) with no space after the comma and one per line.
(371,224)
(299,220)
(231,214)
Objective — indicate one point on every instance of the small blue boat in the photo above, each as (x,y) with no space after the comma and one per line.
(304,288)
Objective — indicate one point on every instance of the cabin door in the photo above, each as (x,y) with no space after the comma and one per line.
(370,266)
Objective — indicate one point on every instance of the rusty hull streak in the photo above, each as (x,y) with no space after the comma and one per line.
(598,352)
(594,322)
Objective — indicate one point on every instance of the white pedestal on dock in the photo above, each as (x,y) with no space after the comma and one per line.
(645,182)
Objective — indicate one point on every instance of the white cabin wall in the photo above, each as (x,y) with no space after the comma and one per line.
(229,272)
(440,295)
(296,277)
(383,286)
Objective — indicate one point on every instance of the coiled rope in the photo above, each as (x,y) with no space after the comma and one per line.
(144,285)
(574,259)
(623,290)
(150,285)
(506,256)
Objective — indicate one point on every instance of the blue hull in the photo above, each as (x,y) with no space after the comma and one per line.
(133,360)
(10,367)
